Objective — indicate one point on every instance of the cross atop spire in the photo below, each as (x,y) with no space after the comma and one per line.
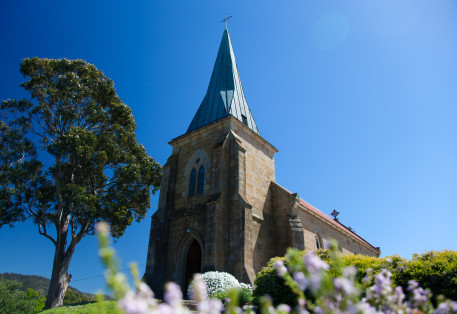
(226,19)
(225,95)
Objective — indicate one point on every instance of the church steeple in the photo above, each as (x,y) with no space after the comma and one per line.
(225,94)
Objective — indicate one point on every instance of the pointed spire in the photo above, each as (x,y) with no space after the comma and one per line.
(225,94)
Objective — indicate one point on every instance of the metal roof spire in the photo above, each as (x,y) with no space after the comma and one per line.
(225,94)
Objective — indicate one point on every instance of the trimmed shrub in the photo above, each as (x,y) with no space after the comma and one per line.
(268,283)
(364,263)
(436,271)
(217,284)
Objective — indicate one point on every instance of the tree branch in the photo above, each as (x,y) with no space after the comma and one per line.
(44,233)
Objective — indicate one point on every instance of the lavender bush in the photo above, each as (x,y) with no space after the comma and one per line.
(309,278)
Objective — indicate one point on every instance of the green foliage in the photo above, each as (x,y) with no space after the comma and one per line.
(436,271)
(245,295)
(364,263)
(98,172)
(95,168)
(73,296)
(268,283)
(41,284)
(107,307)
(38,283)
(15,300)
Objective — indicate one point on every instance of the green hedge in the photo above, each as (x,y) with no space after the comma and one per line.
(268,283)
(433,270)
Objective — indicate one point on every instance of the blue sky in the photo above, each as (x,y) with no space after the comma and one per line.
(360,98)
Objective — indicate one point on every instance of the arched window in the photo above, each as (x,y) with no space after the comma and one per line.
(201,179)
(193,177)
(318,242)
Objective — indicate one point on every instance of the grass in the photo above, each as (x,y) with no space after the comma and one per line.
(108,307)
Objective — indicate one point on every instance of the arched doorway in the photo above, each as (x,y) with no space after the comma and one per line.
(193,261)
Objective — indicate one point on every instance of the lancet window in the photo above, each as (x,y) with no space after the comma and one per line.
(197,181)
(201,179)
(318,242)
(193,177)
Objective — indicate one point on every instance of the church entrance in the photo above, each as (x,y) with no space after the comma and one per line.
(193,262)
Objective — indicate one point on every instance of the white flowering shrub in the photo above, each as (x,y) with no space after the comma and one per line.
(217,284)
(246,294)
(246,286)
(308,277)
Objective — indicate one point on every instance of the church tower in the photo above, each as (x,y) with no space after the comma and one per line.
(219,206)
(214,184)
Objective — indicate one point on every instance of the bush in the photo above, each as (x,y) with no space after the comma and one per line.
(73,297)
(305,275)
(433,270)
(268,283)
(245,297)
(13,300)
(436,271)
(217,284)
(365,264)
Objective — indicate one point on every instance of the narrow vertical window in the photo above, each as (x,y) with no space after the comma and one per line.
(201,180)
(318,243)
(193,177)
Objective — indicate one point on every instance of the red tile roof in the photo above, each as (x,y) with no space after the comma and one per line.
(331,221)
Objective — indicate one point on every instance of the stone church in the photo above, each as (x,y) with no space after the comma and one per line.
(220,207)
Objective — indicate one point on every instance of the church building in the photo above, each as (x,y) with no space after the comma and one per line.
(220,207)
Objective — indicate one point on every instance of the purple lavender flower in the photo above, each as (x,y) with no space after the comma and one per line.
(173,294)
(443,308)
(453,305)
(164,308)
(345,285)
(315,280)
(412,284)
(199,289)
(301,280)
(144,291)
(280,268)
(398,296)
(211,306)
(350,272)
(382,283)
(283,308)
(364,307)
(314,263)
(133,304)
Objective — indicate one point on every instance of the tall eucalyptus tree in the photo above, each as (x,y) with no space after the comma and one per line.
(87,167)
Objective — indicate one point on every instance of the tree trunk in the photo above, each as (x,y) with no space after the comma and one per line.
(60,277)
(59,283)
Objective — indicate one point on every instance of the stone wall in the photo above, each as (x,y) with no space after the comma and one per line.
(242,218)
(317,223)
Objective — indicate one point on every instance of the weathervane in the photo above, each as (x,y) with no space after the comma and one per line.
(335,214)
(226,19)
